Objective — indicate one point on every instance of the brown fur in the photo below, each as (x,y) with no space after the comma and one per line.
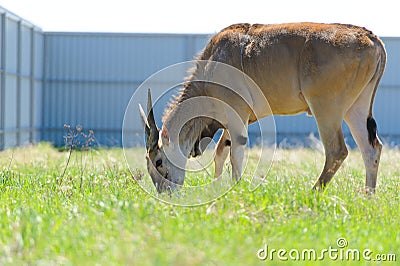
(255,37)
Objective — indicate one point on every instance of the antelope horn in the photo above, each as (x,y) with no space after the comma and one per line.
(152,136)
(145,124)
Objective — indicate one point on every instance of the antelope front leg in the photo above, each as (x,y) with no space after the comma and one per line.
(221,153)
(237,155)
(238,132)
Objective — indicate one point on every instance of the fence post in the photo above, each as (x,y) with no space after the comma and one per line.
(19,74)
(3,79)
(32,87)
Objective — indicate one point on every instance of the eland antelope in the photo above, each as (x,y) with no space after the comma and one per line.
(331,71)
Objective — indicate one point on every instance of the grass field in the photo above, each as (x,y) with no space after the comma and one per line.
(96,213)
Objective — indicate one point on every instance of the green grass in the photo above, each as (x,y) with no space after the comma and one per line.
(98,214)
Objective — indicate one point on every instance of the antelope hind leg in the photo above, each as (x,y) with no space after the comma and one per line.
(363,128)
(330,131)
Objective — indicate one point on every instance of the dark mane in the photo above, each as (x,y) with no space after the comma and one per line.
(192,87)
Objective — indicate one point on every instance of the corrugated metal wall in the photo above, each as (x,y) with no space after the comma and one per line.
(89,78)
(387,107)
(50,79)
(21,64)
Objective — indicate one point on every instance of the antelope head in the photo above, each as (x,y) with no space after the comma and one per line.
(165,175)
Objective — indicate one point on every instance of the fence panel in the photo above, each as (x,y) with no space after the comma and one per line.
(20,80)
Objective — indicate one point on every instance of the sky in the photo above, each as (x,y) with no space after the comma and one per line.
(200,16)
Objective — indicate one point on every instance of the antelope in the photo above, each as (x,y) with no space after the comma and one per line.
(330,71)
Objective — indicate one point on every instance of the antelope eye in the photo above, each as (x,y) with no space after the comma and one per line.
(158,162)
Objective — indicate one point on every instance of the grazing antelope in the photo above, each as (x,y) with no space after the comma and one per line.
(331,71)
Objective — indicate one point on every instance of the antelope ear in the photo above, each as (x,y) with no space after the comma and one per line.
(164,135)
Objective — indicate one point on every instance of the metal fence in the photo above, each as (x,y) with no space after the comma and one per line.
(21,64)
(48,79)
(89,77)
